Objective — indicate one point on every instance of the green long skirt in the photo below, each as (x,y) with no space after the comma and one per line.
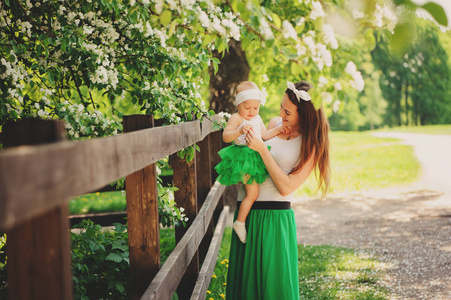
(266,267)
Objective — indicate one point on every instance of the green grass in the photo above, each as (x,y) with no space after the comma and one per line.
(427,129)
(325,272)
(360,161)
(98,202)
(217,288)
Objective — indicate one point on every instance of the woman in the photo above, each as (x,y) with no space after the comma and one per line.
(266,267)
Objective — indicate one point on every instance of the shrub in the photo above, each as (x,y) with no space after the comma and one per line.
(100,262)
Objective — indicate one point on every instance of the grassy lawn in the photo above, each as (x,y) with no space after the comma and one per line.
(98,202)
(325,272)
(361,161)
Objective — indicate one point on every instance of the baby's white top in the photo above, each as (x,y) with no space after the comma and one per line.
(256,123)
(286,153)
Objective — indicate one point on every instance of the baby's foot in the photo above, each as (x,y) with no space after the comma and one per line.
(240,229)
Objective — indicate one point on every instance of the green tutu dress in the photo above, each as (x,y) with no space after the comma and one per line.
(240,164)
(266,267)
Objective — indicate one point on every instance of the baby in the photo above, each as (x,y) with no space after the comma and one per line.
(239,163)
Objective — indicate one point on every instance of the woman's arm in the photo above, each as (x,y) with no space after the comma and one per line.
(231,131)
(286,184)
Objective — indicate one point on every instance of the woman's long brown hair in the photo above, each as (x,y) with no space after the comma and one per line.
(314,129)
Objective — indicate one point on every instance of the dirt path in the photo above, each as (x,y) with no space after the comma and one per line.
(409,228)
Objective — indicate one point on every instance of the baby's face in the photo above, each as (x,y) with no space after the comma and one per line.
(249,109)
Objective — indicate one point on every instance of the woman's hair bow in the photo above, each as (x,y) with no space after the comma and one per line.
(300,94)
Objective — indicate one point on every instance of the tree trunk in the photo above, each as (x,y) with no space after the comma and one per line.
(233,69)
(406,98)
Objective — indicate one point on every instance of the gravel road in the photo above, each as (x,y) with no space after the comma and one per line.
(409,228)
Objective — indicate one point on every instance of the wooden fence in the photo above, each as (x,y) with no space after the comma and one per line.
(40,172)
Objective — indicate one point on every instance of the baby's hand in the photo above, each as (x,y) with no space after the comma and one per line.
(284,129)
(245,129)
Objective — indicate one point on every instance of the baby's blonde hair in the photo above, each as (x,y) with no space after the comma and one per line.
(246,85)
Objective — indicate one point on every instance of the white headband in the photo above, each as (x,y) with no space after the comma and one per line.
(300,94)
(251,94)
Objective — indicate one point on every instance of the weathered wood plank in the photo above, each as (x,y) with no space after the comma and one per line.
(170,274)
(39,262)
(35,178)
(208,267)
(142,216)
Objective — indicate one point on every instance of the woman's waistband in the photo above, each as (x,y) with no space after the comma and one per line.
(269,205)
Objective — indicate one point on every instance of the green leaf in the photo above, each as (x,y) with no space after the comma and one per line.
(165,17)
(172,28)
(120,287)
(208,38)
(437,12)
(401,37)
(114,257)
(276,20)
(370,39)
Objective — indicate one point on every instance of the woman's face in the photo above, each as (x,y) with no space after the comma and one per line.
(288,112)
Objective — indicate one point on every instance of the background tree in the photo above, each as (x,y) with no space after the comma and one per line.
(415,84)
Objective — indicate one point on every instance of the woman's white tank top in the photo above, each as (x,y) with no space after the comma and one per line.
(286,153)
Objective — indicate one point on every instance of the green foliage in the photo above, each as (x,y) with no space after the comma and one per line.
(3,275)
(100,262)
(415,85)
(73,61)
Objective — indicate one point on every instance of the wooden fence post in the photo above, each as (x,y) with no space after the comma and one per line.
(216,145)
(185,179)
(142,217)
(39,261)
(204,184)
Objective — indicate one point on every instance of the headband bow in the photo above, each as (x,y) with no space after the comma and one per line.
(251,94)
(300,94)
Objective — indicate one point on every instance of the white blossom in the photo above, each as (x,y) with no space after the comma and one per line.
(327,97)
(203,17)
(265,29)
(336,106)
(357,14)
(322,81)
(159,6)
(288,30)
(329,36)
(357,81)
(317,11)
(337,86)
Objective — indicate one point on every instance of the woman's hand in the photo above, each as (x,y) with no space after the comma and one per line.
(255,142)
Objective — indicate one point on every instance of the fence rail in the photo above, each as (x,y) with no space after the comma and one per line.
(36,182)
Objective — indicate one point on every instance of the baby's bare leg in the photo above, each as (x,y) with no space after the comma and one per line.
(246,204)
(240,224)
